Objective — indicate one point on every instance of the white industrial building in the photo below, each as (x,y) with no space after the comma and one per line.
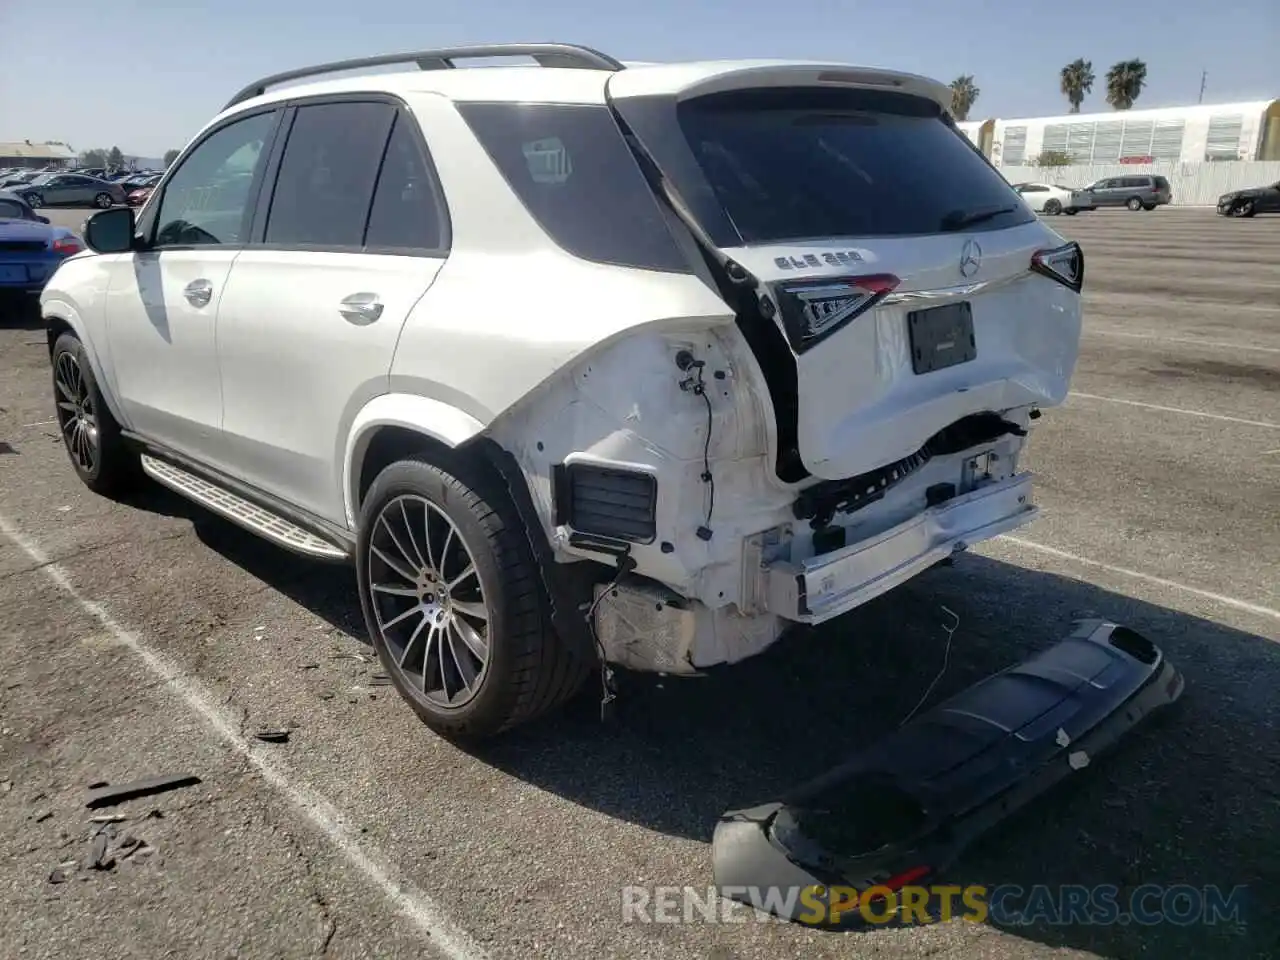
(1211,132)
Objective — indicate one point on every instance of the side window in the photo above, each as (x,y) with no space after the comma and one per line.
(576,175)
(406,212)
(208,198)
(327,174)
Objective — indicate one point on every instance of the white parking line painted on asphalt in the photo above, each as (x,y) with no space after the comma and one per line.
(1221,344)
(1189,413)
(425,914)
(1223,599)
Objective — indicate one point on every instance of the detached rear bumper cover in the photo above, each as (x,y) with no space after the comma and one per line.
(910,804)
(830,584)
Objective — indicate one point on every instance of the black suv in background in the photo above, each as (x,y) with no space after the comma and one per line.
(1136,193)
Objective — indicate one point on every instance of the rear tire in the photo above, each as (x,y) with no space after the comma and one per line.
(92,437)
(1134,204)
(34,200)
(103,201)
(1053,208)
(1070,211)
(473,654)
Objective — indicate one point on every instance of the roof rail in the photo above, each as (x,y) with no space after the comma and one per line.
(546,54)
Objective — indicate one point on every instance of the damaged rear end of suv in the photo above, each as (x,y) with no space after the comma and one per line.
(894,317)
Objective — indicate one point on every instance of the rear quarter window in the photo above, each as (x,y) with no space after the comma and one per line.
(572,169)
(798,163)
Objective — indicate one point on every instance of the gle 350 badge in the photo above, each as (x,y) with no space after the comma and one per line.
(836,258)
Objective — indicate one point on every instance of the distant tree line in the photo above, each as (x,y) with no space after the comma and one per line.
(1125,82)
(113,159)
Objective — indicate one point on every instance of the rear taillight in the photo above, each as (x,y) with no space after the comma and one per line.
(813,310)
(1064,264)
(67,246)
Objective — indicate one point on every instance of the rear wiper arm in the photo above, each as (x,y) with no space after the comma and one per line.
(959,219)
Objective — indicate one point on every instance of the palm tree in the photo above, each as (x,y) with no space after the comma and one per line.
(1077,80)
(963,95)
(1125,81)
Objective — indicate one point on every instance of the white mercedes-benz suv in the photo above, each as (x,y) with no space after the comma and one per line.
(582,364)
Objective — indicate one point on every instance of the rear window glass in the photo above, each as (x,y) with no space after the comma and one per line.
(794,163)
(574,172)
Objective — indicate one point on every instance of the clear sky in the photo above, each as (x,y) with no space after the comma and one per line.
(146,74)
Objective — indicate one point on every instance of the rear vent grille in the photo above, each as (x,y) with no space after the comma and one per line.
(607,502)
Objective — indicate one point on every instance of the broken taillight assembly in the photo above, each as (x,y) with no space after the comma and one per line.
(813,310)
(1064,264)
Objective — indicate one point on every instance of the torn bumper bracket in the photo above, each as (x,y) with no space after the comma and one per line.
(906,807)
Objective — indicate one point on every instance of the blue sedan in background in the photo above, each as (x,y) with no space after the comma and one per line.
(30,247)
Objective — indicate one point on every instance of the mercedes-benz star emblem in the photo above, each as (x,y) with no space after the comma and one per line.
(970,258)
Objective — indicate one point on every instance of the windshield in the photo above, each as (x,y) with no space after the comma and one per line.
(42,179)
(794,163)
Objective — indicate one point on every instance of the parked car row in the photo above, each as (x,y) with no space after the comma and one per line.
(83,187)
(1136,193)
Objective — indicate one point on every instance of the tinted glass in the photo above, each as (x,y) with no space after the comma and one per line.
(327,173)
(794,163)
(406,213)
(207,200)
(572,169)
(11,210)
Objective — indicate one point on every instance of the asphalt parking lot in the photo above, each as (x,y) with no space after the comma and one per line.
(151,638)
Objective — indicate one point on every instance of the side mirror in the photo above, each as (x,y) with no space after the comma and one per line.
(110,231)
(42,219)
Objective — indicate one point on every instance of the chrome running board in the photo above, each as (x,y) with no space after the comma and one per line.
(271,526)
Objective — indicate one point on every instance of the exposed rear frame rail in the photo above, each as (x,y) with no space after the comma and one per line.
(562,55)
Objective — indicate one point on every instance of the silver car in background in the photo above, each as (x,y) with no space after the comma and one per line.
(70,189)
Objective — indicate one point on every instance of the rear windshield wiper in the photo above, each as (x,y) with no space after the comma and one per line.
(959,219)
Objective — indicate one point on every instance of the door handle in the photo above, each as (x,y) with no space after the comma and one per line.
(198,292)
(361,307)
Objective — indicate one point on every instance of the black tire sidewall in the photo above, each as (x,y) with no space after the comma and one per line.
(117,468)
(1053,208)
(70,344)
(493,704)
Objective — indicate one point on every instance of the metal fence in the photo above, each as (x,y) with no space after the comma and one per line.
(1194,184)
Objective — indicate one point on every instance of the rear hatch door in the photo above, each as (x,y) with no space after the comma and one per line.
(896,261)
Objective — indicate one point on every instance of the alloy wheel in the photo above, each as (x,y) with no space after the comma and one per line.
(77,417)
(428,600)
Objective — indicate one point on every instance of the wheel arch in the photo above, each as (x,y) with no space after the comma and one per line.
(61,317)
(387,426)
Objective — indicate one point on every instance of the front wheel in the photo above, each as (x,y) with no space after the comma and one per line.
(1134,204)
(102,201)
(453,601)
(1243,210)
(90,433)
(34,200)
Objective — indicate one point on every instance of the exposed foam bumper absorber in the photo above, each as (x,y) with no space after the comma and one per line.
(905,808)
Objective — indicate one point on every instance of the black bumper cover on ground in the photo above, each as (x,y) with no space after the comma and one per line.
(905,808)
